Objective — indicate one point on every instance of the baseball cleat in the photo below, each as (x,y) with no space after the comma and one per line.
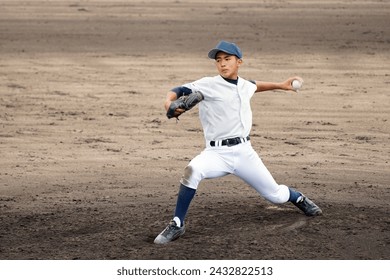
(308,207)
(170,233)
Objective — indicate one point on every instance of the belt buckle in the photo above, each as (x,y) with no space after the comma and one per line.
(232,142)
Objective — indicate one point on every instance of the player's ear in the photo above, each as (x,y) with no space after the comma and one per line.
(239,62)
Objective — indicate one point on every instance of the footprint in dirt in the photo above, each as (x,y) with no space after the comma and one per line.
(290,226)
(295,225)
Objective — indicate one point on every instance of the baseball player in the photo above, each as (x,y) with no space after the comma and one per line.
(226,117)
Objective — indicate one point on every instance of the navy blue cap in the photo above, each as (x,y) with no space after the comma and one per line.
(226,47)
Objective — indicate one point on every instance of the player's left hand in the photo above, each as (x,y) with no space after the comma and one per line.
(183,104)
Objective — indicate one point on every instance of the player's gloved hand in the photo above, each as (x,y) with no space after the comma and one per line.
(174,113)
(183,104)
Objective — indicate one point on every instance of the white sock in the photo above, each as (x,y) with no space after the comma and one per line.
(177,221)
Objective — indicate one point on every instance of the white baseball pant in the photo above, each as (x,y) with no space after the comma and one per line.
(240,160)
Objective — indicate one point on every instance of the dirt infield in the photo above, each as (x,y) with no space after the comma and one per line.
(90,165)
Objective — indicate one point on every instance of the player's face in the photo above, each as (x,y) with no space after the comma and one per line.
(227,65)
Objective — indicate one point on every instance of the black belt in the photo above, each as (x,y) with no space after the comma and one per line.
(230,142)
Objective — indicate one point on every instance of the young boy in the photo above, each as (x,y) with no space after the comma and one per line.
(226,118)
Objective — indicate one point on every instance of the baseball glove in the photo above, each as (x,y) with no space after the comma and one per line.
(185,103)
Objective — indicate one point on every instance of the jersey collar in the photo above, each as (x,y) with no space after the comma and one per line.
(232,81)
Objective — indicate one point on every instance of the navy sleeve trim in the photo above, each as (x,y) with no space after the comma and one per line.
(180,91)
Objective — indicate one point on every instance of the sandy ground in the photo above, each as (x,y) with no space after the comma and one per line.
(90,165)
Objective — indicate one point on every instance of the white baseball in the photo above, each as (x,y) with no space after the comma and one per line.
(296,84)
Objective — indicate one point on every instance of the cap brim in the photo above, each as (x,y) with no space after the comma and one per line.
(213,53)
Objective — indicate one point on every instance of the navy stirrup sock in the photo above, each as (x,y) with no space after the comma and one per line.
(294,195)
(184,199)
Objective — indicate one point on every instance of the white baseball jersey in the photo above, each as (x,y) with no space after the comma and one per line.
(225,111)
